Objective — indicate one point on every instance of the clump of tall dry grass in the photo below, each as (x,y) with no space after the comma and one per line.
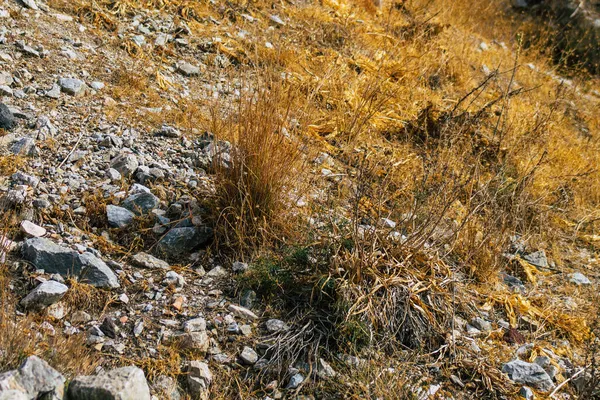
(264,166)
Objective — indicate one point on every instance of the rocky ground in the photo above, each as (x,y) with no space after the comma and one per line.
(110,184)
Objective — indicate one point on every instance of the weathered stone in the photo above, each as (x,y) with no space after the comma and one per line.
(242,312)
(537,258)
(118,217)
(579,279)
(72,86)
(45,294)
(25,179)
(31,229)
(7,119)
(188,69)
(128,383)
(481,324)
(35,379)
(194,341)
(141,203)
(146,260)
(125,163)
(179,241)
(248,356)
(96,272)
(195,325)
(45,254)
(276,325)
(530,374)
(199,379)
(24,146)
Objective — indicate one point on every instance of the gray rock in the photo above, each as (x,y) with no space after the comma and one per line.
(481,324)
(195,325)
(248,356)
(579,279)
(277,20)
(113,175)
(146,260)
(34,379)
(53,92)
(125,163)
(128,383)
(119,217)
(199,379)
(72,86)
(13,395)
(31,229)
(30,4)
(97,85)
(188,69)
(530,374)
(166,387)
(24,179)
(537,258)
(324,370)
(141,203)
(526,393)
(96,272)
(194,341)
(239,267)
(24,146)
(45,254)
(180,241)
(7,119)
(168,131)
(276,325)
(173,278)
(295,381)
(242,312)
(44,295)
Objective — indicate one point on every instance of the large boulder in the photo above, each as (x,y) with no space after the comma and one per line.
(53,258)
(529,374)
(34,379)
(127,383)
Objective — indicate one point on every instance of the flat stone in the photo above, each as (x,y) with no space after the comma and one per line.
(24,146)
(96,272)
(195,325)
(537,259)
(127,383)
(530,374)
(579,279)
(188,69)
(25,179)
(276,325)
(31,229)
(45,254)
(146,260)
(44,295)
(194,341)
(481,324)
(119,217)
(242,312)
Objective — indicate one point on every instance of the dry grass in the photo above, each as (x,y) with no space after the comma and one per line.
(256,183)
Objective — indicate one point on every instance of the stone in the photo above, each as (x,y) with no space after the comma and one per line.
(13,395)
(537,259)
(25,179)
(530,374)
(96,272)
(295,381)
(198,340)
(72,86)
(217,272)
(45,254)
(168,131)
(80,317)
(146,260)
(173,278)
(199,379)
(481,324)
(5,91)
(187,69)
(195,325)
(118,217)
(24,146)
(45,294)
(127,383)
(248,356)
(166,387)
(239,267)
(579,279)
(7,118)
(109,328)
(125,163)
(31,229)
(277,20)
(248,298)
(324,370)
(276,325)
(526,393)
(179,241)
(242,312)
(113,175)
(53,92)
(30,4)
(141,203)
(35,379)
(97,85)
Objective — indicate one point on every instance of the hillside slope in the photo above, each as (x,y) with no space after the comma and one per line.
(267,200)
